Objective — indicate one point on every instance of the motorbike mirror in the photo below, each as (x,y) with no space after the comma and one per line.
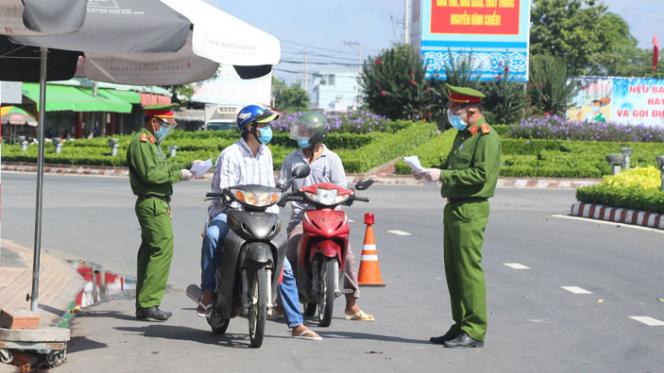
(301,171)
(364,184)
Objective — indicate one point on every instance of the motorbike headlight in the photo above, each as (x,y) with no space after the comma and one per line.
(327,197)
(257,199)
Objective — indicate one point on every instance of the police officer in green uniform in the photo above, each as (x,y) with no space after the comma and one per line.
(469,179)
(151,177)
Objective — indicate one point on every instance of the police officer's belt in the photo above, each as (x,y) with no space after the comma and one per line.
(147,196)
(464,200)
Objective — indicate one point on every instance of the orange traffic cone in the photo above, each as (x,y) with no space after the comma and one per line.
(369,268)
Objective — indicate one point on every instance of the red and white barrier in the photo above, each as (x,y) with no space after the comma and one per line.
(618,215)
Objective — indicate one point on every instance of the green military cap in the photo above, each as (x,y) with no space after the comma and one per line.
(464,95)
(164,111)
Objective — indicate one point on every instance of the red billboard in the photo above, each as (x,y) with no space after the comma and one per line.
(475,17)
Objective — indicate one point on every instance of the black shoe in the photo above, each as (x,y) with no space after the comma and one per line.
(463,340)
(152,313)
(451,334)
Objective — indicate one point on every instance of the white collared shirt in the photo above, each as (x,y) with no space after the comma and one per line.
(236,165)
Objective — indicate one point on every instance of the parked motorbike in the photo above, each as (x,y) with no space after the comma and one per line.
(323,247)
(249,268)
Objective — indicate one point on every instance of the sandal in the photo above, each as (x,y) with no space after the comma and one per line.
(310,335)
(204,308)
(360,316)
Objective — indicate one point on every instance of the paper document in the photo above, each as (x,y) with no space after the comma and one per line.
(414,163)
(199,169)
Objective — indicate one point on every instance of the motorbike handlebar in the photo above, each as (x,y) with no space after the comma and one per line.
(362,199)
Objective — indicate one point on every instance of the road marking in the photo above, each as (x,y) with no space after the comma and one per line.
(351,221)
(399,233)
(647,320)
(516,266)
(622,225)
(576,290)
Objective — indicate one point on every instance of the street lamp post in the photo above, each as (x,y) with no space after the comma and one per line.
(113,143)
(172,151)
(615,160)
(58,145)
(627,156)
(660,165)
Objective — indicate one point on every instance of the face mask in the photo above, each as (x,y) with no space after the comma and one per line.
(595,109)
(456,121)
(303,142)
(265,135)
(162,132)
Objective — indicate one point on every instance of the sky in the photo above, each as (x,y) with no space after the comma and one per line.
(322,26)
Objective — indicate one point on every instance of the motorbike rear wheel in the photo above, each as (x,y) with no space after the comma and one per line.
(329,277)
(258,308)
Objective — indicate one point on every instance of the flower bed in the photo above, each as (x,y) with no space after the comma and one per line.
(555,127)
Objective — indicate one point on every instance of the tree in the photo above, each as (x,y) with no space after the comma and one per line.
(582,32)
(549,87)
(289,98)
(394,84)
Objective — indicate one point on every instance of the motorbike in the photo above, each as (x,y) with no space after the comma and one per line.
(248,271)
(323,247)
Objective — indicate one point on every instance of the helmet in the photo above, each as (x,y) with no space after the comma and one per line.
(255,114)
(311,125)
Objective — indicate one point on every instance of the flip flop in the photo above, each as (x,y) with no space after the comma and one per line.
(310,335)
(207,309)
(360,316)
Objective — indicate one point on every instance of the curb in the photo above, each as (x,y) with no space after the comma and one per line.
(379,178)
(618,215)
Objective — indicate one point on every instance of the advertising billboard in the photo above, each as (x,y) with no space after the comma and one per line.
(494,34)
(628,101)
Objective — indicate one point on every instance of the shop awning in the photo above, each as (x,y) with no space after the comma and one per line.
(131,97)
(67,98)
(151,99)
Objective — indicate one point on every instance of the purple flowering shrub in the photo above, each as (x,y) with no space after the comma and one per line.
(353,122)
(556,127)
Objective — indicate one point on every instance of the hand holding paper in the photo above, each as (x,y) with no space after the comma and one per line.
(199,168)
(414,163)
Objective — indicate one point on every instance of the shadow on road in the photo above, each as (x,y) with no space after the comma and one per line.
(107,314)
(78,344)
(371,337)
(183,333)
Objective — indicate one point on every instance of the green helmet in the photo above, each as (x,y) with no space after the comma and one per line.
(310,125)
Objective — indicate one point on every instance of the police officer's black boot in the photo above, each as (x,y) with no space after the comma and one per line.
(463,340)
(451,334)
(152,313)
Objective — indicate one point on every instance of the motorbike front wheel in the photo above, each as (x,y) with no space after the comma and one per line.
(258,308)
(329,276)
(217,323)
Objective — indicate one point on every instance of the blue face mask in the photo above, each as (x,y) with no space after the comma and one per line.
(265,135)
(161,133)
(303,142)
(456,121)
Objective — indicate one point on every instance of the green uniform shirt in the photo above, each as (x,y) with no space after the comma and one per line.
(471,170)
(149,171)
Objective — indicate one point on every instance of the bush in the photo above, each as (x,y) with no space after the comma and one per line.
(350,122)
(636,189)
(549,88)
(556,127)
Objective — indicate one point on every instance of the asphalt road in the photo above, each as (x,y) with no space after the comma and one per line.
(534,325)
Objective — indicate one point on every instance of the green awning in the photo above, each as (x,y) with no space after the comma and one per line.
(67,98)
(131,97)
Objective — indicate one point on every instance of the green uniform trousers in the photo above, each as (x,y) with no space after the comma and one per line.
(464,226)
(156,251)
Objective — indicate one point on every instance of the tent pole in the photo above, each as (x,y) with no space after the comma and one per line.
(34,298)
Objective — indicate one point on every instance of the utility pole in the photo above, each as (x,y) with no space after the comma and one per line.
(406,22)
(305,80)
(358,48)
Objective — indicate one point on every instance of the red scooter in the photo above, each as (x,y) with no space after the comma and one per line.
(324,244)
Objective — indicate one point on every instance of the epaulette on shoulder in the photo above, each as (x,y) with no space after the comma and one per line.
(144,138)
(485,129)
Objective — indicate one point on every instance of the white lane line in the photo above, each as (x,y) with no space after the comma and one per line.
(351,221)
(516,266)
(399,233)
(647,320)
(576,290)
(614,224)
